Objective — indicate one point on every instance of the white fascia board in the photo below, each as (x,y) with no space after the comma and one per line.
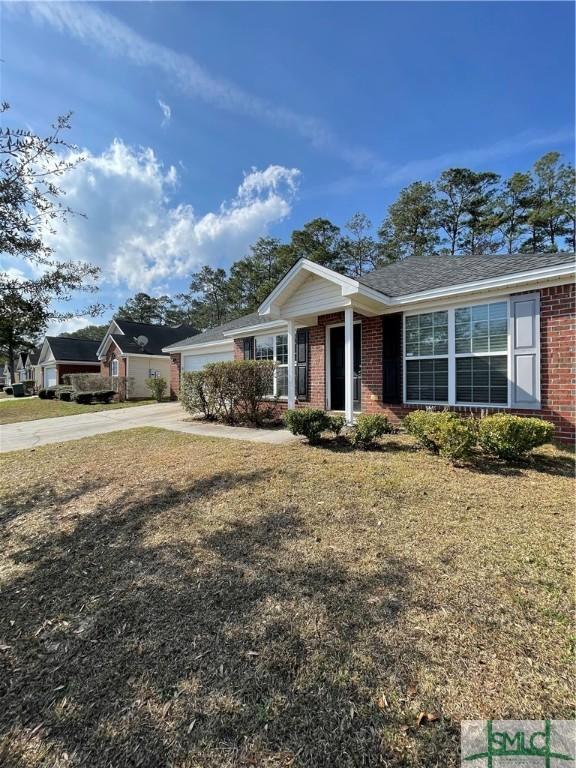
(313,268)
(101,349)
(43,352)
(136,354)
(505,281)
(193,349)
(250,330)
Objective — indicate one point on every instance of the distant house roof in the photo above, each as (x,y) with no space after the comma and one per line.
(217,333)
(158,336)
(34,356)
(424,273)
(75,350)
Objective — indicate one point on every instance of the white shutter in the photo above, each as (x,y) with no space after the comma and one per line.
(525,332)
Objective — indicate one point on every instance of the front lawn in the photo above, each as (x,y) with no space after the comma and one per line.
(27,409)
(167,600)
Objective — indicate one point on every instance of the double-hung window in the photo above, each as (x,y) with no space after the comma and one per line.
(114,367)
(275,348)
(458,356)
(481,353)
(426,350)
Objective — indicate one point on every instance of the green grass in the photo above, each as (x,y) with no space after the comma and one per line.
(198,603)
(26,409)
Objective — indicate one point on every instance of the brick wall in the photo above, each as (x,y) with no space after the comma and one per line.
(113,353)
(557,358)
(62,369)
(175,367)
(238,349)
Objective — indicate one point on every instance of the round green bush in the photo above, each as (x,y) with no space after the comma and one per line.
(369,427)
(309,422)
(511,437)
(443,432)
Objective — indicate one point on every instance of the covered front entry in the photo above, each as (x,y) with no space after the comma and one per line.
(336,368)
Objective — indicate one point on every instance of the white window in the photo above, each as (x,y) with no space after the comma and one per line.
(457,356)
(481,352)
(275,348)
(114,367)
(153,373)
(426,351)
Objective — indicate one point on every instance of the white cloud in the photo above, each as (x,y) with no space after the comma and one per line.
(139,239)
(68,326)
(166,112)
(93,26)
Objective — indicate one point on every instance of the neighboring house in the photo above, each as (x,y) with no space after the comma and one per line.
(27,368)
(61,355)
(134,351)
(467,332)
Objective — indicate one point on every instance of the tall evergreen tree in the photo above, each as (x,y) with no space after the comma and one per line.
(512,207)
(319,240)
(359,249)
(411,228)
(143,308)
(548,215)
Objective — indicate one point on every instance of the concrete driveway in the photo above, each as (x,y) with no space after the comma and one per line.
(29,434)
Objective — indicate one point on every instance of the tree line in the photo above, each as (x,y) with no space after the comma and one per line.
(463,212)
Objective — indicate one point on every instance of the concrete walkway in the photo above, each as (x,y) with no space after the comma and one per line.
(29,434)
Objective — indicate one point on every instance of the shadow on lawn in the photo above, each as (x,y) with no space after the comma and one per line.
(225,648)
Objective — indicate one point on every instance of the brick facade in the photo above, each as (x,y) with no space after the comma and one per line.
(113,353)
(63,369)
(557,358)
(175,369)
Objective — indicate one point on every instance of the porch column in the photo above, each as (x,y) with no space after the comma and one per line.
(291,366)
(349,364)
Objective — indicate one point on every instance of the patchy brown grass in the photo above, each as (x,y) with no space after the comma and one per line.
(168,600)
(27,409)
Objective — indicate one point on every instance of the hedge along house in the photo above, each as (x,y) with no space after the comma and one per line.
(134,350)
(467,332)
(61,355)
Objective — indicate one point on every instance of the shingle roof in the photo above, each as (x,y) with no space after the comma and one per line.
(70,348)
(423,273)
(415,274)
(217,333)
(158,336)
(34,356)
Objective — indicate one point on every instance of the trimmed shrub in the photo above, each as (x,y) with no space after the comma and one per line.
(84,398)
(47,393)
(97,382)
(511,437)
(197,395)
(337,424)
(235,390)
(368,427)
(443,432)
(158,387)
(103,395)
(309,422)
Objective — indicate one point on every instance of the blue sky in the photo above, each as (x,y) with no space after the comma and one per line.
(206,125)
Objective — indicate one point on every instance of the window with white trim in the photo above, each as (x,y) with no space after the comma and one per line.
(467,365)
(114,367)
(275,348)
(426,351)
(481,352)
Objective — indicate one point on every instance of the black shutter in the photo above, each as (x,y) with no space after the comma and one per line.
(302,364)
(249,348)
(391,358)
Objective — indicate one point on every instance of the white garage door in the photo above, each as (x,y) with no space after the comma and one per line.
(50,377)
(197,362)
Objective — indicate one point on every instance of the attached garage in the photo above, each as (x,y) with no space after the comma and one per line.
(198,361)
(50,377)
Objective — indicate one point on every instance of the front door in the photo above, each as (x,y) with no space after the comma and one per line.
(337,379)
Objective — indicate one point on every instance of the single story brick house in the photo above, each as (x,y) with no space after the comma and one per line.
(134,350)
(61,355)
(473,333)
